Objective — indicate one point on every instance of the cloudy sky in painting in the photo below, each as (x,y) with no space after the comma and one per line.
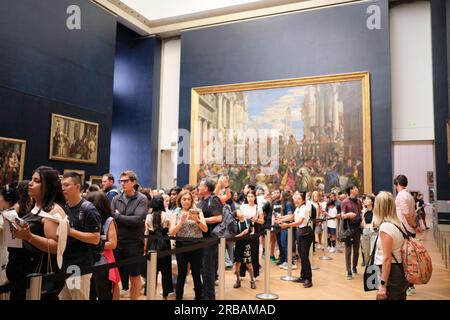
(267,108)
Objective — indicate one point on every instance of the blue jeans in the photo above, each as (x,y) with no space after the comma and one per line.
(209,272)
(284,243)
(229,255)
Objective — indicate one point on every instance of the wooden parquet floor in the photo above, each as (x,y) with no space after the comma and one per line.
(330,282)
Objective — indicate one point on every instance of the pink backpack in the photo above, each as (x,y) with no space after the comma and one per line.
(416,261)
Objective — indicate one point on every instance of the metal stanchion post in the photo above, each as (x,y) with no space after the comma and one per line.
(289,276)
(445,253)
(325,242)
(222,250)
(267,295)
(151,275)
(34,286)
(311,252)
(338,232)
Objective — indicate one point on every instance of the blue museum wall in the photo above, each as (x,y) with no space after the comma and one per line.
(317,42)
(440,26)
(134,125)
(46,68)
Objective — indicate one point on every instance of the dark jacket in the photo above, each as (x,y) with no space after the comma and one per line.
(131,218)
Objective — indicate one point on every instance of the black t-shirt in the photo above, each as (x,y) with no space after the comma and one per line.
(210,206)
(368,217)
(277,208)
(83,217)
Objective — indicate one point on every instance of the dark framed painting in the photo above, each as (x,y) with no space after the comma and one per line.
(73,139)
(430,178)
(80,172)
(306,134)
(431,195)
(96,180)
(12,160)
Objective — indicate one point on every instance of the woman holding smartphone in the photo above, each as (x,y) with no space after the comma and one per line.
(39,235)
(188,222)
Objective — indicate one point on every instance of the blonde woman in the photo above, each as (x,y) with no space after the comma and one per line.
(388,255)
(315,210)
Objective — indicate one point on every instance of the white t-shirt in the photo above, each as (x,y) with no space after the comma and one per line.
(302,212)
(397,242)
(249,212)
(332,213)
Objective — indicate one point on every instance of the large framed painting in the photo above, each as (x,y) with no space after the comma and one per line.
(301,134)
(12,160)
(73,139)
(80,172)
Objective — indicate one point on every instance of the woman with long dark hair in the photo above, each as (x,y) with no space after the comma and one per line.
(157,224)
(254,214)
(105,284)
(39,235)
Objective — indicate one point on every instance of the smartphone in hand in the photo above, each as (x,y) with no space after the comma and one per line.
(22,223)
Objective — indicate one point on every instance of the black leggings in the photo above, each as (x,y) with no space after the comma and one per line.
(165,266)
(304,245)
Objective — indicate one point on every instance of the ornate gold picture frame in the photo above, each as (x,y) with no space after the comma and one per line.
(320,127)
(12,160)
(73,140)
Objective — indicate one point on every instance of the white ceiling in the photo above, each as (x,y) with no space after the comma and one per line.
(166,18)
(160,9)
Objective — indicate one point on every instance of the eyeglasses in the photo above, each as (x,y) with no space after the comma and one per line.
(124,181)
(66,185)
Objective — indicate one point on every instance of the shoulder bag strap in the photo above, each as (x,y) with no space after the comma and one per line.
(372,256)
(405,236)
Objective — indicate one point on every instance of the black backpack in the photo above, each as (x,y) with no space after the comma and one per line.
(227,227)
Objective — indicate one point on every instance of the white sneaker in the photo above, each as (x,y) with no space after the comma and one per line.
(283,266)
(318,246)
(332,250)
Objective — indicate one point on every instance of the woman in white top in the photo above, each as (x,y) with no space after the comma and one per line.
(315,211)
(331,224)
(252,212)
(306,236)
(388,254)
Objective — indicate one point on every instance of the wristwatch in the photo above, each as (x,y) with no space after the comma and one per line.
(382,282)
